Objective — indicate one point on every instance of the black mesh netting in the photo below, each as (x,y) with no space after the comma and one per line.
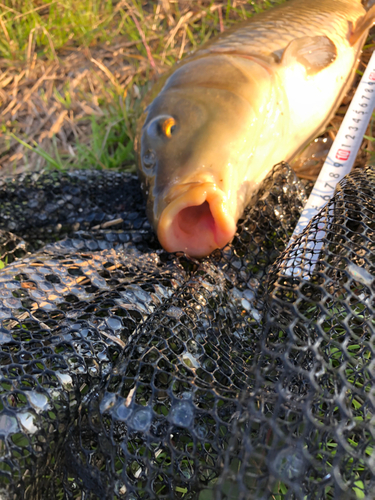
(130,373)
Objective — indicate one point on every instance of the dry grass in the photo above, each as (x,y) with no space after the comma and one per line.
(54,103)
(79,102)
(75,95)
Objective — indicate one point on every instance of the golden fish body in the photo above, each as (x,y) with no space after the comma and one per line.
(251,97)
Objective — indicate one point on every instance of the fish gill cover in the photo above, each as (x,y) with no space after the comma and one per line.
(131,373)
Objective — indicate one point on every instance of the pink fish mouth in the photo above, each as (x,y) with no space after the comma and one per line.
(197,222)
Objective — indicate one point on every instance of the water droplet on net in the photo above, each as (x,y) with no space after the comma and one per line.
(26,420)
(141,419)
(38,401)
(182,414)
(289,463)
(108,401)
(360,274)
(8,425)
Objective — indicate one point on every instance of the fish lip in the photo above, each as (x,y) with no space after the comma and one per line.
(180,189)
(216,230)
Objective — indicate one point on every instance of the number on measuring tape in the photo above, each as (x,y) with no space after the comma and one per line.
(342,154)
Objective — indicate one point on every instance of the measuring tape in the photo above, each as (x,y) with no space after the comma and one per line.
(339,163)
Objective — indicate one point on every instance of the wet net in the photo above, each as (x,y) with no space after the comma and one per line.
(131,373)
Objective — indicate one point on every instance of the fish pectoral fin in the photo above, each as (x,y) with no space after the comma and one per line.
(313,52)
(362,25)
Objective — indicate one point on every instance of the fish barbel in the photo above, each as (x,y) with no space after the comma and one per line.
(251,97)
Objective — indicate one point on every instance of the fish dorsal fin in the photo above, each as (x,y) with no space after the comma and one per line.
(362,25)
(313,52)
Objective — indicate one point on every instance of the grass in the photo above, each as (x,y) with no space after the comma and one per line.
(40,34)
(111,144)
(52,25)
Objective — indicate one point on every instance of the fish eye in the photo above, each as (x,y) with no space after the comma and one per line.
(162,126)
(169,126)
(149,158)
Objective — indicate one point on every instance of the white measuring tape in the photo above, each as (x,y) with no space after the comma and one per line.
(339,163)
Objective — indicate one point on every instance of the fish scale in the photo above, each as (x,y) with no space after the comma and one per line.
(299,19)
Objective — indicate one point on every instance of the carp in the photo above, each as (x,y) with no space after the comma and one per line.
(251,97)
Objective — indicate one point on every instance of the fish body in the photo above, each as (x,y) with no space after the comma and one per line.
(253,96)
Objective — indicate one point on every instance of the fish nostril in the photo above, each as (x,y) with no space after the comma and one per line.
(149,159)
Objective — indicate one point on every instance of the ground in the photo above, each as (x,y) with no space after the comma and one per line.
(72,75)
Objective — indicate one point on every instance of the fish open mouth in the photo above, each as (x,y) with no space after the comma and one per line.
(197,222)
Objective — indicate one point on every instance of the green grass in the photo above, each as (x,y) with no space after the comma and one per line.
(41,29)
(51,25)
(110,147)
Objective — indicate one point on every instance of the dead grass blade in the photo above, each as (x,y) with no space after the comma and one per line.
(5,31)
(142,35)
(9,9)
(24,14)
(5,81)
(183,41)
(110,76)
(58,123)
(32,90)
(220,11)
(182,21)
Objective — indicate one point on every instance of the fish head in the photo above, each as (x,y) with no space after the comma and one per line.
(195,147)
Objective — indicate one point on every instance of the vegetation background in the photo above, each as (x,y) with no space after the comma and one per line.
(73,72)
